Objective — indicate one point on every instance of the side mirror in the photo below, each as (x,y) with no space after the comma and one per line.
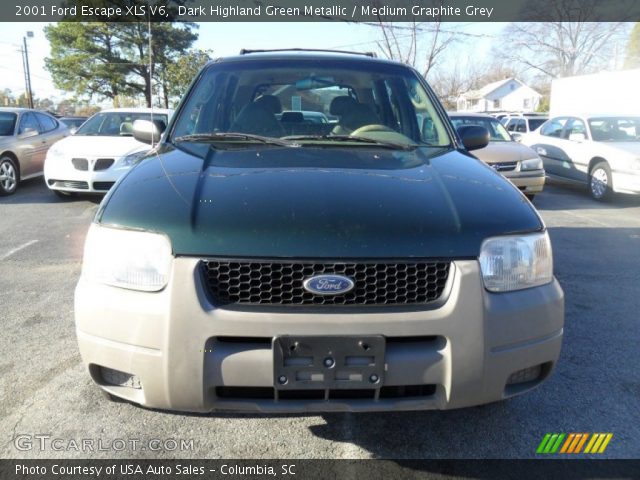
(474,137)
(517,137)
(146,131)
(577,137)
(73,130)
(28,133)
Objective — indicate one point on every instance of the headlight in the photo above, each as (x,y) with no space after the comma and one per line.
(516,262)
(132,158)
(127,258)
(54,152)
(531,164)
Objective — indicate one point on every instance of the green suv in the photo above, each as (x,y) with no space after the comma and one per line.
(258,260)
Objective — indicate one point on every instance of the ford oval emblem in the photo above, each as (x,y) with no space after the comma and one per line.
(328,284)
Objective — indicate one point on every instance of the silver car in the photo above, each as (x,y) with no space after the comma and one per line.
(25,137)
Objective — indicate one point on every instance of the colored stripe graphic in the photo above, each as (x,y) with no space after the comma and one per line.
(582,442)
(573,443)
(543,443)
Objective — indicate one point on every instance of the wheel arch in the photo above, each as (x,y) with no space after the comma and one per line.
(14,157)
(595,160)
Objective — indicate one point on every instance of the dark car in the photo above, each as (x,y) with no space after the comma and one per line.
(371,264)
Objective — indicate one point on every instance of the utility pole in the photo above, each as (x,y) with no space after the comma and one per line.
(27,72)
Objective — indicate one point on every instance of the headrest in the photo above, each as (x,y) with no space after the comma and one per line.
(270,102)
(126,128)
(293,117)
(341,105)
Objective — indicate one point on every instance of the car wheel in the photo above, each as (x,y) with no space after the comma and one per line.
(8,176)
(63,195)
(112,398)
(600,182)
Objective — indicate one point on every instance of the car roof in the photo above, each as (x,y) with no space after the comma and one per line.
(471,115)
(20,109)
(138,110)
(302,54)
(597,115)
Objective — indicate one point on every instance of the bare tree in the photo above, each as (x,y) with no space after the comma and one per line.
(417,44)
(572,46)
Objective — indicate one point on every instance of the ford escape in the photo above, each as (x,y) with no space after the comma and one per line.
(262,261)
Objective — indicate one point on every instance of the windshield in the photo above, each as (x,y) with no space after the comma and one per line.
(534,123)
(615,129)
(7,123)
(115,124)
(497,132)
(319,102)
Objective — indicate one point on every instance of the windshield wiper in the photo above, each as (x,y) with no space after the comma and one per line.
(222,136)
(348,138)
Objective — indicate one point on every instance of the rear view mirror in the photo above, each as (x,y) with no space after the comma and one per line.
(146,131)
(474,137)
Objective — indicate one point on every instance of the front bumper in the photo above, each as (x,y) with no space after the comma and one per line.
(530,182)
(626,182)
(61,175)
(188,355)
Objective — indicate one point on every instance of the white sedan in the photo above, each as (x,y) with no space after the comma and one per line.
(602,151)
(100,151)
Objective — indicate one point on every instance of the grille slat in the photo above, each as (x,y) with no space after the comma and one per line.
(103,163)
(281,283)
(80,163)
(504,166)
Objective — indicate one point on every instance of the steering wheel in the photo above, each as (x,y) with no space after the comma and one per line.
(374,127)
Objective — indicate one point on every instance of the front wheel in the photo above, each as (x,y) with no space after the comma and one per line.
(63,195)
(600,182)
(8,176)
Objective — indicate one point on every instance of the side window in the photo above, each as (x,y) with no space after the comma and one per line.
(553,128)
(28,123)
(46,122)
(511,124)
(576,130)
(521,126)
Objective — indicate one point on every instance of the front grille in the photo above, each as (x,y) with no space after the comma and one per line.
(505,166)
(80,164)
(269,393)
(102,185)
(69,184)
(103,163)
(281,283)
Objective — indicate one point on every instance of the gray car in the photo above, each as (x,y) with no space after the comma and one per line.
(25,137)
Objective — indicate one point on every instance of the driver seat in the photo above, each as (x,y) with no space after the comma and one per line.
(355,117)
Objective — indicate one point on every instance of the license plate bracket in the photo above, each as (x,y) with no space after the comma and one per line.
(328,362)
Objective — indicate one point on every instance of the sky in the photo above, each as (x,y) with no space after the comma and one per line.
(226,39)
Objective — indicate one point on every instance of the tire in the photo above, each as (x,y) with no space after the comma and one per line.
(530,196)
(8,176)
(601,182)
(63,195)
(111,398)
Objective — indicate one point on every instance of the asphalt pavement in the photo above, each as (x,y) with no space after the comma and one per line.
(50,408)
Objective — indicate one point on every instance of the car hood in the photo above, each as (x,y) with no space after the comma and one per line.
(498,152)
(97,146)
(278,202)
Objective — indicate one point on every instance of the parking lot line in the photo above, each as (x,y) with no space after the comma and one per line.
(17,249)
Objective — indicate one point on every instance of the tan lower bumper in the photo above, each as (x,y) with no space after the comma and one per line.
(528,183)
(186,353)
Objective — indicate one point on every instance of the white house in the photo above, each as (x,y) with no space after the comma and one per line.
(509,94)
